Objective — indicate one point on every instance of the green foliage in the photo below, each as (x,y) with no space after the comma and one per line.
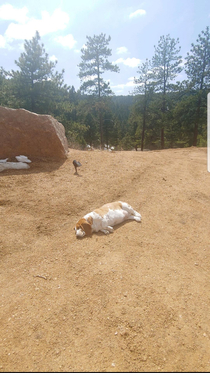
(3,88)
(197,68)
(75,135)
(144,82)
(91,135)
(166,66)
(145,86)
(166,63)
(126,143)
(120,107)
(94,63)
(35,84)
(161,113)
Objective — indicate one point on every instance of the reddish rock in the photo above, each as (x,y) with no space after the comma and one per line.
(34,135)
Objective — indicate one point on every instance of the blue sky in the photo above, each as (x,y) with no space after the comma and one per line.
(135,28)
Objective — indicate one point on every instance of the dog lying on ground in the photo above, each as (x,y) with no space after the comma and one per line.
(104,218)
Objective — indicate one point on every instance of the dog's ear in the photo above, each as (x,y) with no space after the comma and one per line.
(86,226)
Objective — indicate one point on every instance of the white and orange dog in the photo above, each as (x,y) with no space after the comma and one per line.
(104,218)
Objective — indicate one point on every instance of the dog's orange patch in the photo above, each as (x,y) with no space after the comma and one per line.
(105,208)
(90,220)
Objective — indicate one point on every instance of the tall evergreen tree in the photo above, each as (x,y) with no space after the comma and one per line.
(166,65)
(35,71)
(197,68)
(94,64)
(145,88)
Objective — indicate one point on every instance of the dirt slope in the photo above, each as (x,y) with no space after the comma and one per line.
(135,300)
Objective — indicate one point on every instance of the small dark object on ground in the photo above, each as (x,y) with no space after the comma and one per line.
(76,164)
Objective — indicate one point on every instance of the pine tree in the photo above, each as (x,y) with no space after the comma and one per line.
(197,68)
(144,87)
(35,71)
(166,65)
(94,64)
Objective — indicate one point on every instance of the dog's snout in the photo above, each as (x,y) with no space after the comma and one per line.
(79,233)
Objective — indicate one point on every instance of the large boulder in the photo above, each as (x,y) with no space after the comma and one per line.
(30,134)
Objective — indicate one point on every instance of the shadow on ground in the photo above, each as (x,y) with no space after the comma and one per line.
(37,166)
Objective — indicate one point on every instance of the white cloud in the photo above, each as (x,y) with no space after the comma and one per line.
(2,42)
(119,88)
(66,41)
(137,13)
(53,58)
(130,83)
(131,62)
(47,24)
(8,13)
(121,50)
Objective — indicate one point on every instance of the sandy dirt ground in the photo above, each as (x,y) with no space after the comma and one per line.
(137,299)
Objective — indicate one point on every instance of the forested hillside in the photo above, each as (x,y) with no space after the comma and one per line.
(161,113)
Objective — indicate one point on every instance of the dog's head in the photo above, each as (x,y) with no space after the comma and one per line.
(83,227)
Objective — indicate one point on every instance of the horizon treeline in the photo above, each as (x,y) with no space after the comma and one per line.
(162,112)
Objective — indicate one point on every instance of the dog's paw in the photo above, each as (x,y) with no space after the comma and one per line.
(105,231)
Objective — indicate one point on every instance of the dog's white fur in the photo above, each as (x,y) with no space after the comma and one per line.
(104,218)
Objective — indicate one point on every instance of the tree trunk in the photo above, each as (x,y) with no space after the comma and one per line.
(195,134)
(142,140)
(162,138)
(32,96)
(143,131)
(164,113)
(101,128)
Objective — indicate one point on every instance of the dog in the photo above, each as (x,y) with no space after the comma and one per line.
(104,218)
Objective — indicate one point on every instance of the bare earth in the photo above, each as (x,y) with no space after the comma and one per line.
(135,300)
